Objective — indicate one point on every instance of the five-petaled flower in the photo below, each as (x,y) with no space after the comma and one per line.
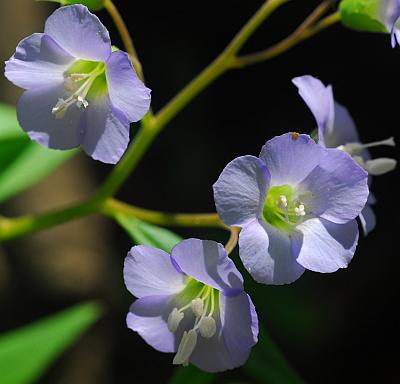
(192,303)
(78,91)
(336,129)
(296,205)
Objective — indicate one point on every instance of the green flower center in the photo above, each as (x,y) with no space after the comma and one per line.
(85,80)
(282,208)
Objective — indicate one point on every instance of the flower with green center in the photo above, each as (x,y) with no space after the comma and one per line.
(296,205)
(336,129)
(79,92)
(191,303)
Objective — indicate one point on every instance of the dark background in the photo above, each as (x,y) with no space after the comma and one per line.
(332,327)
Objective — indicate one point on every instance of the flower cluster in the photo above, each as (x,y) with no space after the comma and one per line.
(296,203)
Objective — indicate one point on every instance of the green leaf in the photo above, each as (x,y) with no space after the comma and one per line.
(267,364)
(192,375)
(362,15)
(147,234)
(22,161)
(26,353)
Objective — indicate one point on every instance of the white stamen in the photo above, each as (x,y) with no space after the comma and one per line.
(207,327)
(389,142)
(283,203)
(380,166)
(197,307)
(60,108)
(81,103)
(356,148)
(300,210)
(79,76)
(186,348)
(174,318)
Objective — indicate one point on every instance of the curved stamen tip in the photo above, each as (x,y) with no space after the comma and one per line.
(60,108)
(300,210)
(197,306)
(81,102)
(174,319)
(283,203)
(380,166)
(186,348)
(207,327)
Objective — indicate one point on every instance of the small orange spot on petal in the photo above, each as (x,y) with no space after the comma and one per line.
(295,135)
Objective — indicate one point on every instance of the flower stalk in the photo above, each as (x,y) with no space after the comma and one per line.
(227,60)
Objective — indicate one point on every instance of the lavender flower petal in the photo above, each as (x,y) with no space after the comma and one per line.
(212,355)
(323,246)
(148,317)
(149,271)
(320,101)
(208,263)
(38,61)
(367,219)
(290,158)
(239,325)
(266,253)
(105,131)
(79,32)
(127,91)
(240,190)
(344,130)
(35,117)
(337,187)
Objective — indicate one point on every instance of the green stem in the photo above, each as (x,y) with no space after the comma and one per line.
(300,34)
(125,36)
(21,226)
(111,206)
(24,225)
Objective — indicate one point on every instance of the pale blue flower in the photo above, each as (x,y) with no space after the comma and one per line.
(336,129)
(78,92)
(191,303)
(296,204)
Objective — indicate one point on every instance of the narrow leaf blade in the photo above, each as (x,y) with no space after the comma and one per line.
(27,352)
(148,234)
(22,161)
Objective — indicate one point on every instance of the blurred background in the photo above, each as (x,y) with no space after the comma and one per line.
(332,328)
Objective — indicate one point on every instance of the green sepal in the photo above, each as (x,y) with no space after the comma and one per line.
(362,15)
